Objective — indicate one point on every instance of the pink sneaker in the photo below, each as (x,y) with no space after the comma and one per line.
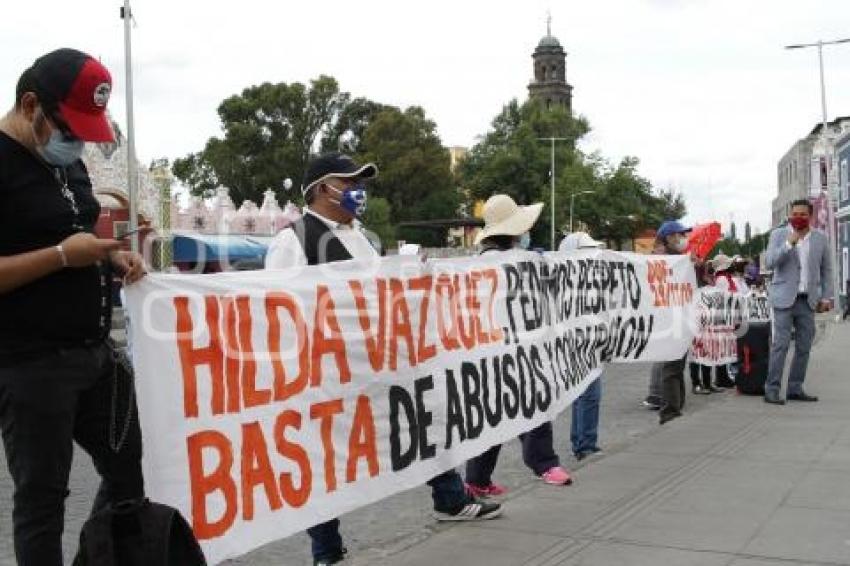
(484,491)
(556,476)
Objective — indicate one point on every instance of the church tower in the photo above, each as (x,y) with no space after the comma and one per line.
(550,72)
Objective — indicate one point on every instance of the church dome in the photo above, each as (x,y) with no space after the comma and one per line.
(549,41)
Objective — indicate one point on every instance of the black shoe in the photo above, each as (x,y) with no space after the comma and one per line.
(773,399)
(473,511)
(700,390)
(714,389)
(802,397)
(335,559)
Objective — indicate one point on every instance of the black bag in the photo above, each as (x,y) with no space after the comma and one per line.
(753,359)
(138,533)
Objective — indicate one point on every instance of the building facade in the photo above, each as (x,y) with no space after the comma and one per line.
(795,172)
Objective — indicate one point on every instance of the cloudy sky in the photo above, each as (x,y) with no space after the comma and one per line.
(700,90)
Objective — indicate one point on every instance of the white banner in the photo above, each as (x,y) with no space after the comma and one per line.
(271,401)
(723,316)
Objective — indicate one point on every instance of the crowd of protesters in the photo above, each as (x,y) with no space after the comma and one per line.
(57,365)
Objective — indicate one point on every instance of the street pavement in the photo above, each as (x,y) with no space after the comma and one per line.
(735,482)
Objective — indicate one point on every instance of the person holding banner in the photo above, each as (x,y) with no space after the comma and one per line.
(56,368)
(330,231)
(701,373)
(801,286)
(672,237)
(507,227)
(726,278)
(584,425)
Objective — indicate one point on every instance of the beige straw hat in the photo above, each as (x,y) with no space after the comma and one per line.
(503,217)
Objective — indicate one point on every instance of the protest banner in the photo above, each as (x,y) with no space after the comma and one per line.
(723,316)
(271,401)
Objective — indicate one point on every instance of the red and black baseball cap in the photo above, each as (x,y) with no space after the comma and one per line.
(77,87)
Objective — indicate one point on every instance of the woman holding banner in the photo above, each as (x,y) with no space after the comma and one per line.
(506,227)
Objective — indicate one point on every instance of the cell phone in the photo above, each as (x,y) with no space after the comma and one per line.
(126,235)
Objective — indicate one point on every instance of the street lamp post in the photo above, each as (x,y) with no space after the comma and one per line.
(830,190)
(572,201)
(552,141)
(132,166)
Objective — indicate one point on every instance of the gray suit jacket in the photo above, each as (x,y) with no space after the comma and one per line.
(785,263)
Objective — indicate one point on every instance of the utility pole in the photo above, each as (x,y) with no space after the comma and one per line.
(132,166)
(552,141)
(832,221)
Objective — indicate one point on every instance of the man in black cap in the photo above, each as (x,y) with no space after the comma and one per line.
(56,370)
(330,231)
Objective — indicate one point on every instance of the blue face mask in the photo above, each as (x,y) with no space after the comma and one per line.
(353,200)
(59,150)
(525,241)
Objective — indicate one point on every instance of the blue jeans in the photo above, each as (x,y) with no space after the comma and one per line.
(584,430)
(447,491)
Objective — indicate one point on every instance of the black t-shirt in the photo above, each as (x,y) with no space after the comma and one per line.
(69,306)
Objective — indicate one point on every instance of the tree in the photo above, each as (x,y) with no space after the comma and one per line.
(513,159)
(269,132)
(347,133)
(415,177)
(378,219)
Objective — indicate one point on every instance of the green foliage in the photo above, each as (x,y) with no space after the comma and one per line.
(269,132)
(347,133)
(751,249)
(415,177)
(378,219)
(515,159)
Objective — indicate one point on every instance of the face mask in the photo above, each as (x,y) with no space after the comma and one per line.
(353,200)
(525,241)
(59,150)
(799,223)
(679,245)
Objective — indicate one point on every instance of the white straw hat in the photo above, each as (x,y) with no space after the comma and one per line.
(503,217)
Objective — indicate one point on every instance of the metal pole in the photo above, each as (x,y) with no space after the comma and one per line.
(132,169)
(572,202)
(553,194)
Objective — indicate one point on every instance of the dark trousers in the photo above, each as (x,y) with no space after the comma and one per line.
(673,388)
(45,405)
(801,318)
(538,453)
(700,375)
(447,491)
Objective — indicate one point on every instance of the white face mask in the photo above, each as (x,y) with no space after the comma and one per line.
(679,245)
(58,150)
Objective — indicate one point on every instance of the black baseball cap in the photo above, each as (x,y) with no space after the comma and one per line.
(77,87)
(335,164)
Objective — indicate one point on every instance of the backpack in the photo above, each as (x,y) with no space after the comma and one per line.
(138,533)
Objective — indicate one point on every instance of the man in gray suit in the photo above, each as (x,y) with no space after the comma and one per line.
(802,285)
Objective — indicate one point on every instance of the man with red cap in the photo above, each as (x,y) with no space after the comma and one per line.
(56,369)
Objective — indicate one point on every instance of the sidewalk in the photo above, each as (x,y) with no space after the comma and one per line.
(741,483)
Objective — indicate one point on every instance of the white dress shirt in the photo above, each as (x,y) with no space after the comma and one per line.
(803,253)
(285,250)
